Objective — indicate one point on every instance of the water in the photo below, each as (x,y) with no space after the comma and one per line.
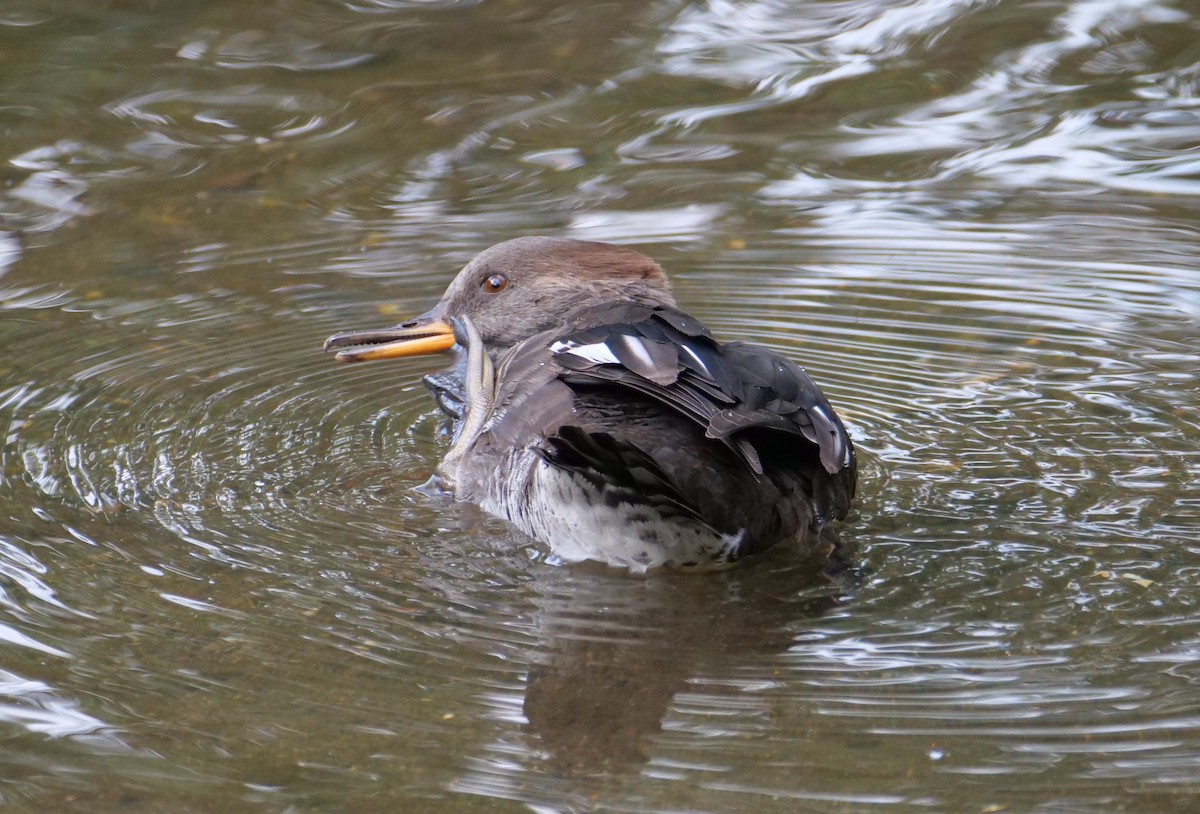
(974,223)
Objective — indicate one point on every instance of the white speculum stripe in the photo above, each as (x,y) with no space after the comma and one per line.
(597,353)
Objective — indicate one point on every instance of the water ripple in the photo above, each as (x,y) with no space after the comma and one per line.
(971,221)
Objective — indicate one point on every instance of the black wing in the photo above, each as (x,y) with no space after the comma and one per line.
(605,403)
(730,390)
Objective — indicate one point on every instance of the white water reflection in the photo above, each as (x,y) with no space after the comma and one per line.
(784,50)
(37,707)
(653,226)
(10,250)
(997,126)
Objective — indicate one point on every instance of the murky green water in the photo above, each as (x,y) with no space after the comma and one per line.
(976,223)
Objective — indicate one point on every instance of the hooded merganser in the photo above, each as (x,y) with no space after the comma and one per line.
(598,418)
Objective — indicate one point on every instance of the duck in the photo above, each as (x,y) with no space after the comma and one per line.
(597,417)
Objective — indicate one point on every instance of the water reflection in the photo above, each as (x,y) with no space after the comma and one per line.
(35,706)
(972,221)
(615,654)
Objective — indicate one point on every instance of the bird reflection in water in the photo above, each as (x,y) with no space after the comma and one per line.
(613,655)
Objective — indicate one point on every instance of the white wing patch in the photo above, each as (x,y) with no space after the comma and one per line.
(597,353)
(637,349)
(703,368)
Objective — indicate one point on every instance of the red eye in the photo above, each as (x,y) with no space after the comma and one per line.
(495,284)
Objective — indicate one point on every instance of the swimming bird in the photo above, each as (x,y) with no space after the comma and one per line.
(597,417)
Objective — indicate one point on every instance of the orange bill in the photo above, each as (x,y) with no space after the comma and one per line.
(419,337)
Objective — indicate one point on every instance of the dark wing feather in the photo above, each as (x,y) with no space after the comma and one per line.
(781,396)
(618,470)
(730,389)
(531,399)
(605,403)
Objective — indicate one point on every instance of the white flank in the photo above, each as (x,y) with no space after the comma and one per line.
(576,528)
